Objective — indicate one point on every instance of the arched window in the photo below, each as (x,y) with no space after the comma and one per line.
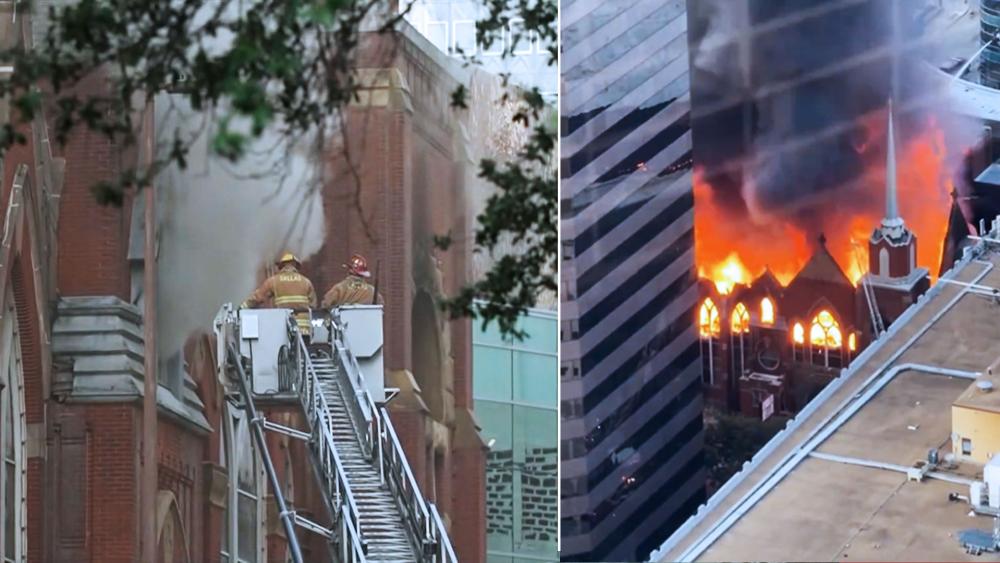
(826,339)
(767,311)
(172,540)
(12,469)
(741,319)
(709,328)
(708,319)
(739,326)
(244,510)
(798,342)
(883,263)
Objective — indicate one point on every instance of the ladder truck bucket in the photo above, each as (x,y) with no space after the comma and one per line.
(361,326)
(263,336)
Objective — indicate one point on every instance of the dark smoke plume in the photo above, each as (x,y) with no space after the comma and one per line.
(785,93)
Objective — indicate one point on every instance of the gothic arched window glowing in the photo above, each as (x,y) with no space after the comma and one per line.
(852,342)
(709,324)
(825,331)
(741,319)
(767,311)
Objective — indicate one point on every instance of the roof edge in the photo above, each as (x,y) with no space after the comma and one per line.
(780,438)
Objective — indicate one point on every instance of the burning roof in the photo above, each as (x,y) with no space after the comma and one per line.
(734,244)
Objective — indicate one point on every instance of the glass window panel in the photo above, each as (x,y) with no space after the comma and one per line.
(8,425)
(493,373)
(491,335)
(542,334)
(247,528)
(496,48)
(496,423)
(521,39)
(9,472)
(535,379)
(225,526)
(535,451)
(437,32)
(246,461)
(10,509)
(465,37)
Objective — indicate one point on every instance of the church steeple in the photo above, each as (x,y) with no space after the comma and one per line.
(892,248)
(892,223)
(894,279)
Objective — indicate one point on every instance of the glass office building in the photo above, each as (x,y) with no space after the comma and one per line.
(451,26)
(514,386)
(632,465)
(990,26)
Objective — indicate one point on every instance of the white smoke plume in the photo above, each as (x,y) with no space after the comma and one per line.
(492,133)
(221,223)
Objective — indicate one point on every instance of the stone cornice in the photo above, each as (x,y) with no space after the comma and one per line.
(100,342)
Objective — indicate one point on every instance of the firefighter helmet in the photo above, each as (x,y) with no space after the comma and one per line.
(289,257)
(358,266)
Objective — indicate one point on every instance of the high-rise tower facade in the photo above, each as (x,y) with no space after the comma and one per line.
(631,451)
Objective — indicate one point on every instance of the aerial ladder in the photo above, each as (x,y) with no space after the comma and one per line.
(374,502)
(878,326)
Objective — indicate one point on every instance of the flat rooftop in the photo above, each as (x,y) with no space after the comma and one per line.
(833,485)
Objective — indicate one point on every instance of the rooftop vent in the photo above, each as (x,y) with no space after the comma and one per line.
(984,386)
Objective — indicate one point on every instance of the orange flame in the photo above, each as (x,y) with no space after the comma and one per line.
(728,274)
(731,249)
(709,324)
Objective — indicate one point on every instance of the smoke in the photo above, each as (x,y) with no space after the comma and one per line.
(789,101)
(492,133)
(222,223)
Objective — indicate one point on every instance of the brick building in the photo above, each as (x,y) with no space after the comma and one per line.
(72,346)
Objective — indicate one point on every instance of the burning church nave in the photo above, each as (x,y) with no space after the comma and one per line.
(769,347)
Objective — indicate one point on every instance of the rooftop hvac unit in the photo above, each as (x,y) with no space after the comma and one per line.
(991,475)
(976,493)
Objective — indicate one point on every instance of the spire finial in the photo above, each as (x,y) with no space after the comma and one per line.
(891,210)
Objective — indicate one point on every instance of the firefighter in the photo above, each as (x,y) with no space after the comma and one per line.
(354,289)
(288,289)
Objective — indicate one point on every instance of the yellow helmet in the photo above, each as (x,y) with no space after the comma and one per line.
(289,257)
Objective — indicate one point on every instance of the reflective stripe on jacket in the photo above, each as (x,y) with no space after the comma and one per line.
(353,290)
(288,289)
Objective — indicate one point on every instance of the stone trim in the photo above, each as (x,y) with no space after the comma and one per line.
(382,87)
(99,341)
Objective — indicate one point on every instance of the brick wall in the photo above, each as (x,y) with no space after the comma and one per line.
(93,238)
(180,472)
(412,189)
(93,478)
(468,513)
(373,220)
